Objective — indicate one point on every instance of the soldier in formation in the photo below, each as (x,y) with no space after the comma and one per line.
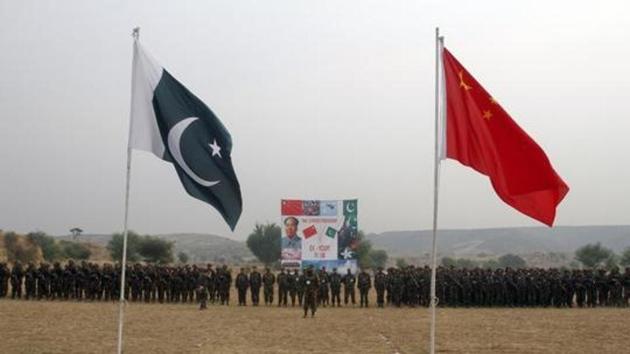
(408,286)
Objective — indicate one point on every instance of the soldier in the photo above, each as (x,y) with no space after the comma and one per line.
(626,287)
(601,283)
(380,281)
(268,280)
(616,287)
(30,281)
(292,279)
(300,287)
(4,279)
(335,287)
(43,281)
(311,289)
(283,288)
(212,282)
(255,281)
(17,275)
(202,296)
(225,280)
(365,283)
(324,280)
(242,283)
(348,287)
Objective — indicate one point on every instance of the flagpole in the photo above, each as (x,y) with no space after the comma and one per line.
(436,180)
(121,303)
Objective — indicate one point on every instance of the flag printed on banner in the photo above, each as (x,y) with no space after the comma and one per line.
(480,134)
(309,231)
(172,123)
(292,207)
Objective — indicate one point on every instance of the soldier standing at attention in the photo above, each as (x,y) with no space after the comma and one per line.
(348,288)
(365,283)
(380,281)
(17,275)
(242,282)
(30,281)
(311,289)
(300,287)
(292,279)
(324,279)
(335,287)
(255,281)
(283,288)
(268,280)
(4,279)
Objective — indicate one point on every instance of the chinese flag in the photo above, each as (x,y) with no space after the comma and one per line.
(481,135)
(309,231)
(292,207)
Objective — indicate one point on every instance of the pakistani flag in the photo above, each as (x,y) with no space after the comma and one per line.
(176,126)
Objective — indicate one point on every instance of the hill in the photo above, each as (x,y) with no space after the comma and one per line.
(199,247)
(492,242)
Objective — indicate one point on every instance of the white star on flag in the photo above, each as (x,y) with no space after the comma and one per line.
(216,149)
(347,254)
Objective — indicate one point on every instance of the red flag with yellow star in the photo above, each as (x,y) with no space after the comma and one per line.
(481,135)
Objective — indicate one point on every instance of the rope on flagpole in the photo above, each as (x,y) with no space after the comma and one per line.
(121,304)
(436,180)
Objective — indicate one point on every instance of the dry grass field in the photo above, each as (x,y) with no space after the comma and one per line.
(71,327)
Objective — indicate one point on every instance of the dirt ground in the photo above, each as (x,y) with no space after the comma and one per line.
(72,327)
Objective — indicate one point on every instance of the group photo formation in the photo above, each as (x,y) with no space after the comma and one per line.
(314,176)
(409,286)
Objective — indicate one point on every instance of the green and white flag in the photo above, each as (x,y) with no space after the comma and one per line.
(172,123)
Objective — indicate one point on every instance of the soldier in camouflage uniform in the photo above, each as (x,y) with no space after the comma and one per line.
(364,283)
(255,282)
(324,281)
(380,282)
(292,279)
(4,279)
(17,276)
(283,288)
(268,280)
(30,282)
(349,281)
(311,290)
(335,287)
(241,284)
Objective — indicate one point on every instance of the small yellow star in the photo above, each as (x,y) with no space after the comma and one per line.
(493,101)
(487,115)
(462,83)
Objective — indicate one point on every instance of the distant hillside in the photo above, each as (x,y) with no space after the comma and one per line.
(199,247)
(520,240)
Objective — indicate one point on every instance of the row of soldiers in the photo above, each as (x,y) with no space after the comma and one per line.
(409,286)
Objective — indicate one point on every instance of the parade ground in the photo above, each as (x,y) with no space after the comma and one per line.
(73,327)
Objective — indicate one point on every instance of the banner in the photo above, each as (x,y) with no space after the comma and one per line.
(322,233)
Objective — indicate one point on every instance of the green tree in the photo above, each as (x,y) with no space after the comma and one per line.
(512,261)
(491,264)
(50,249)
(183,257)
(156,250)
(592,255)
(465,263)
(625,258)
(401,263)
(379,258)
(74,250)
(448,262)
(264,242)
(115,246)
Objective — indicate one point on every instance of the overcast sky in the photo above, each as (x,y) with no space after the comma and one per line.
(324,100)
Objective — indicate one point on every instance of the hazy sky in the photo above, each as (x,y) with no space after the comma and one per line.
(324,100)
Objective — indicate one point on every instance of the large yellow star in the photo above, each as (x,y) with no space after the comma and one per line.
(487,115)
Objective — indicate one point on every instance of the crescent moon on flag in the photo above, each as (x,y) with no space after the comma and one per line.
(349,209)
(174,137)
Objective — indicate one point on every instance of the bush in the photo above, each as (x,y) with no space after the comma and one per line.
(74,250)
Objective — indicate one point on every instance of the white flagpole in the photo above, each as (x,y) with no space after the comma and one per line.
(436,180)
(121,303)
